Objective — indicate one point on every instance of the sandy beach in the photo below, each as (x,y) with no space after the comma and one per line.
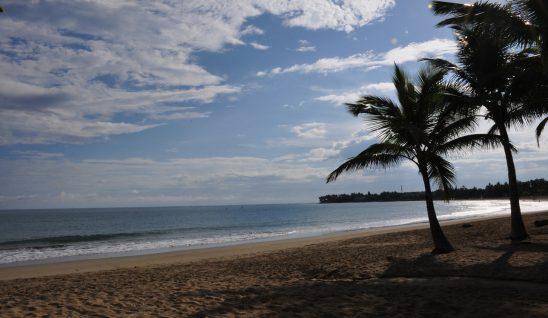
(382,272)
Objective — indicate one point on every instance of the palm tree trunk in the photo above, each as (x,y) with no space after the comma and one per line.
(518,231)
(441,243)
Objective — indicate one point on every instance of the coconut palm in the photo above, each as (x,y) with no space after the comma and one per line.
(421,128)
(494,81)
(523,22)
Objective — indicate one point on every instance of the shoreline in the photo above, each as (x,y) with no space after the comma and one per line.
(10,272)
(536,199)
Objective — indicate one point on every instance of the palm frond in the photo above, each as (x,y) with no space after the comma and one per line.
(458,75)
(373,105)
(499,16)
(533,11)
(493,130)
(539,129)
(521,116)
(443,174)
(405,89)
(430,78)
(440,63)
(455,128)
(469,142)
(380,155)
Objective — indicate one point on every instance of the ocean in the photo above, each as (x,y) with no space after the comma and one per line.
(31,236)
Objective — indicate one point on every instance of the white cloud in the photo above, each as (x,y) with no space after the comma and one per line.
(259,46)
(57,128)
(322,141)
(50,180)
(306,49)
(403,54)
(350,96)
(179,115)
(319,14)
(416,51)
(251,30)
(305,46)
(315,134)
(337,147)
(64,121)
(31,154)
(53,182)
(78,60)
(310,130)
(321,154)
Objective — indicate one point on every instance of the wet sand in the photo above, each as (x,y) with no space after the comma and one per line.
(385,272)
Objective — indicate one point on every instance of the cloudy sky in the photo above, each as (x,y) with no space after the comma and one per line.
(139,103)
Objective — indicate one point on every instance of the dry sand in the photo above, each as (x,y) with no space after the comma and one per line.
(386,273)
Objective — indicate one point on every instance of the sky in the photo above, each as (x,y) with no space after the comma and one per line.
(154,103)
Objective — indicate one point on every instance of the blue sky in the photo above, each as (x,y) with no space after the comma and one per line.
(139,103)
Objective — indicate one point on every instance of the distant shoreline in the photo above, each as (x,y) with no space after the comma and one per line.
(539,198)
(536,189)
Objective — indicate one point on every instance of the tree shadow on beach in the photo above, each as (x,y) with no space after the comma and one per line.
(426,286)
(501,267)
(486,277)
(380,298)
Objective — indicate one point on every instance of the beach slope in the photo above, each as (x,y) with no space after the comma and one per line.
(388,273)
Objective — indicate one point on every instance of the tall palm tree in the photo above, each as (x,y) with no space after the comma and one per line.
(524,22)
(494,82)
(421,128)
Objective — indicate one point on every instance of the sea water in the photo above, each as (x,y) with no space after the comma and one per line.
(28,236)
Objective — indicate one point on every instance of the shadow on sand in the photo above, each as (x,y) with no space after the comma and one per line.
(501,268)
(426,286)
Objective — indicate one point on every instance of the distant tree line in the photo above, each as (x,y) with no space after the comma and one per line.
(532,188)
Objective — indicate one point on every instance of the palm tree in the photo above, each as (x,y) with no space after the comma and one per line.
(494,81)
(422,128)
(524,22)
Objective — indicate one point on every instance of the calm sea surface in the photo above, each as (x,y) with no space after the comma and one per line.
(52,235)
